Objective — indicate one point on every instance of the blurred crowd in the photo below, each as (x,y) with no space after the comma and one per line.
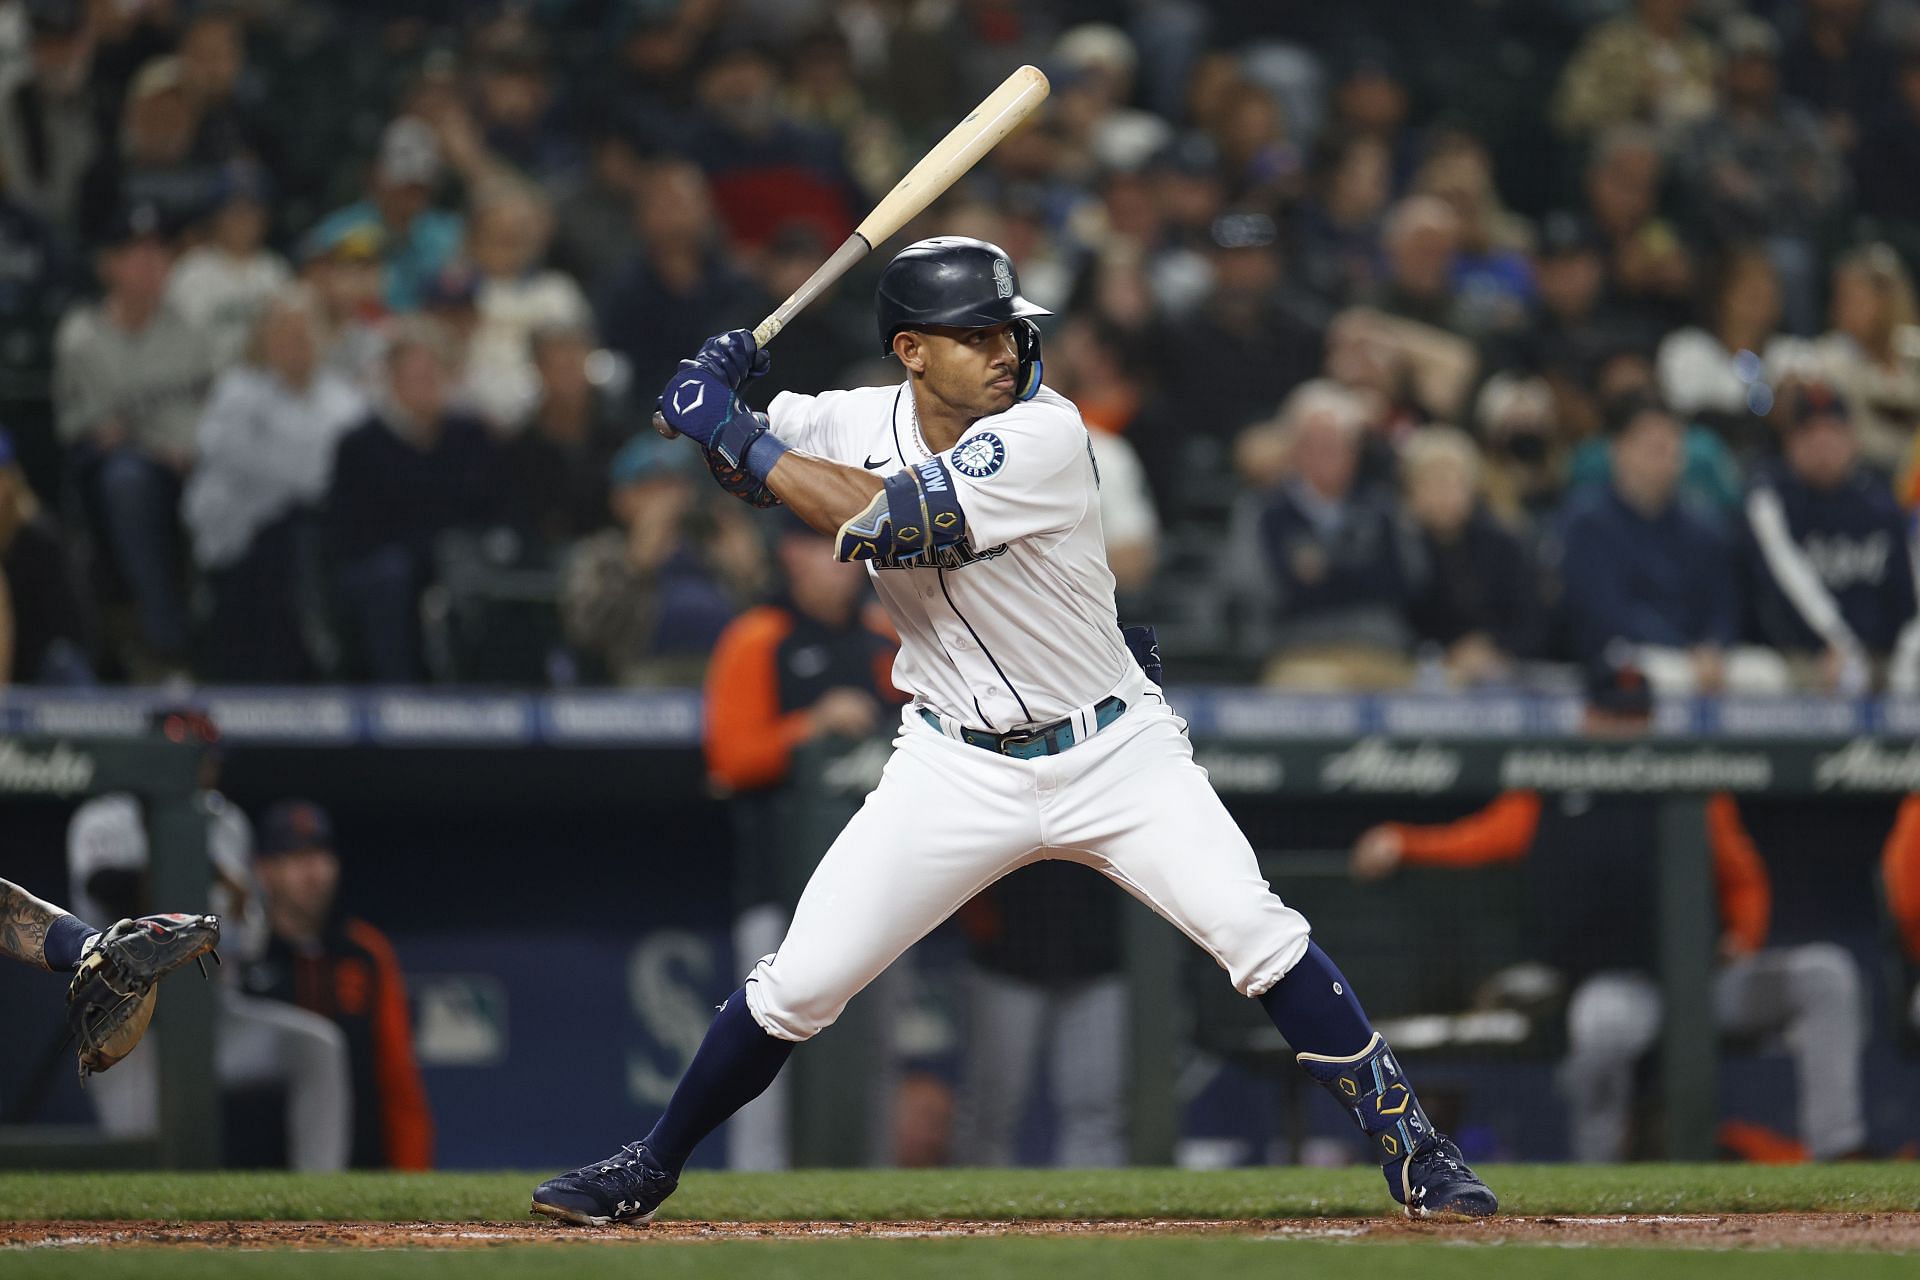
(1462,343)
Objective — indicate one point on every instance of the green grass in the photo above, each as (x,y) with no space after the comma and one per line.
(881,1195)
(1003,1259)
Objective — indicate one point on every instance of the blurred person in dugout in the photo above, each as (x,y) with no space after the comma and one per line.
(1591,872)
(343,969)
(1900,887)
(257,1043)
(1641,571)
(1830,558)
(813,664)
(1044,993)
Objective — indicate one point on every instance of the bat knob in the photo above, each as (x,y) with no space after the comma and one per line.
(661,425)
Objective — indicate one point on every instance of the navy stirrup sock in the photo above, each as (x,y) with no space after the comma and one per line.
(1315,1008)
(734,1065)
(65,936)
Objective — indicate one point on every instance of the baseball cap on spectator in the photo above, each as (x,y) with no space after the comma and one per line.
(1745,36)
(157,75)
(1563,233)
(242,180)
(648,457)
(1096,46)
(358,242)
(1807,401)
(1190,155)
(455,288)
(131,223)
(1243,231)
(1627,408)
(1616,687)
(409,154)
(56,17)
(294,826)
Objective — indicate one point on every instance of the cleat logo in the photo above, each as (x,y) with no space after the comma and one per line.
(1399,1091)
(1349,1087)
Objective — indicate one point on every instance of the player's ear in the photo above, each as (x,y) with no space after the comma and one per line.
(910,350)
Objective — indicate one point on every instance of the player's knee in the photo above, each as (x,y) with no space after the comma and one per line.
(1615,1019)
(1824,974)
(1258,944)
(786,1011)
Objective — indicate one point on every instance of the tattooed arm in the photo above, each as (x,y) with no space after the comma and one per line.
(23,924)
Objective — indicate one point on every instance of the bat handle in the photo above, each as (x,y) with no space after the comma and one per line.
(661,425)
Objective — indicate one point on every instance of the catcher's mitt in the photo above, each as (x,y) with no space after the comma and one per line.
(111,998)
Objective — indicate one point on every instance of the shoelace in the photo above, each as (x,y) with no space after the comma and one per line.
(616,1170)
(1443,1157)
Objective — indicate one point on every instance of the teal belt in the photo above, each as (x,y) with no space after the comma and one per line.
(1043,740)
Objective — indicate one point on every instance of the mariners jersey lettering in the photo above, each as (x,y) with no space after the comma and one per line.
(1015,625)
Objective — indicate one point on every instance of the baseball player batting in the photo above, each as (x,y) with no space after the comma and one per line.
(969,492)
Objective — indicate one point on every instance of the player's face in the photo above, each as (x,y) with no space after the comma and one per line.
(975,371)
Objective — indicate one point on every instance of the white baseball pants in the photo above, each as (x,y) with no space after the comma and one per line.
(949,819)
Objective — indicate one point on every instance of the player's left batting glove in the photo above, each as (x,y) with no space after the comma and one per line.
(700,398)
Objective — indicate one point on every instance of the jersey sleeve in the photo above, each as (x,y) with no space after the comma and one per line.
(406,1122)
(1025,473)
(1739,877)
(1501,832)
(811,424)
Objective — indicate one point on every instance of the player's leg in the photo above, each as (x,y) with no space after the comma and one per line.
(1811,996)
(1138,808)
(1612,1020)
(1005,1028)
(1086,1064)
(260,1041)
(946,821)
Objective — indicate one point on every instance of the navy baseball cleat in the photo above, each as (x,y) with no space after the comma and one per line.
(625,1187)
(1435,1182)
(1424,1170)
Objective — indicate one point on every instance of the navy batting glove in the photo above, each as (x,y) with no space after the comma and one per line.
(733,357)
(698,402)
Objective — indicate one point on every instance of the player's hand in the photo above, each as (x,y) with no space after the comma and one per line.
(1376,855)
(698,402)
(733,357)
(849,712)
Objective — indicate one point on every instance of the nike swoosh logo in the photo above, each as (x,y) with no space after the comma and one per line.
(871,463)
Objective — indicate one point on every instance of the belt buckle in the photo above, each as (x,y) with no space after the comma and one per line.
(1008,741)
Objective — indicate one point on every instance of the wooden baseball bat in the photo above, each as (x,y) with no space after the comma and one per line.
(999,114)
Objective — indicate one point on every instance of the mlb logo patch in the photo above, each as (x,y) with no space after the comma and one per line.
(979,456)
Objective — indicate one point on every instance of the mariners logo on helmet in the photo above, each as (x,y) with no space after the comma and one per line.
(1002,278)
(979,456)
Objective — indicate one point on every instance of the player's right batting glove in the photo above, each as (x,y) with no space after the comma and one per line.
(733,357)
(110,1000)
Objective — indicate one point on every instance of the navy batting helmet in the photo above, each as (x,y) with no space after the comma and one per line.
(961,283)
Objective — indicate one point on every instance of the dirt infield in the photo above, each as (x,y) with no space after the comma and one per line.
(1877,1232)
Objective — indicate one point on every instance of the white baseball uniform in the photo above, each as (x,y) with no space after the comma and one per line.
(1012,628)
